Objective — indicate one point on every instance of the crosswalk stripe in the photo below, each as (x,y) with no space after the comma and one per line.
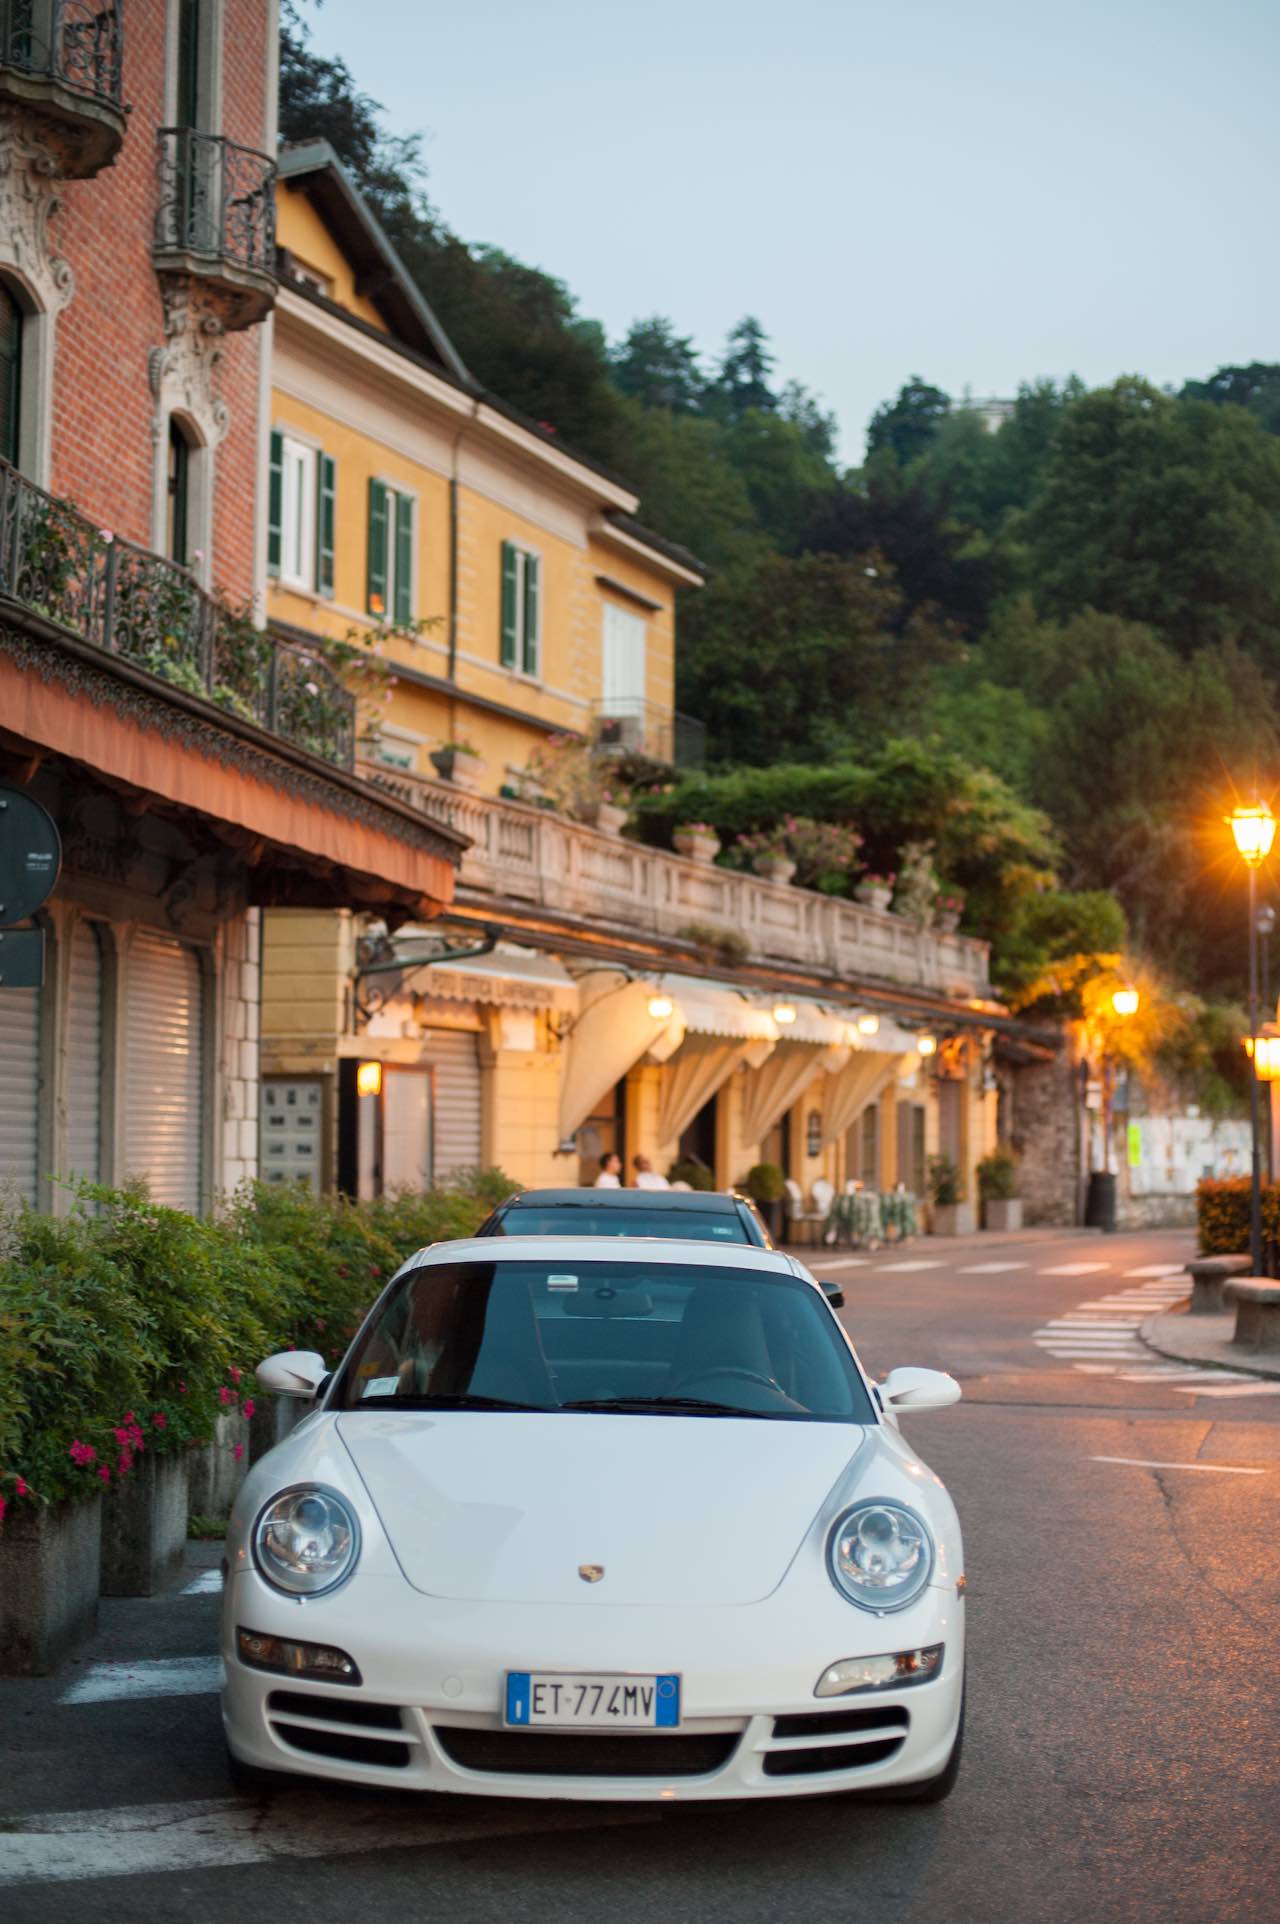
(1158,1269)
(1141,1463)
(1097,1369)
(1233,1389)
(990,1269)
(207,1581)
(1163,1374)
(158,1677)
(1067,1355)
(839,1262)
(216,1832)
(1075,1269)
(900,1269)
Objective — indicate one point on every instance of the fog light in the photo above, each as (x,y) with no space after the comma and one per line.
(880,1673)
(318,1660)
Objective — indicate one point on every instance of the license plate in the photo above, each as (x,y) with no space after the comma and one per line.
(583,1701)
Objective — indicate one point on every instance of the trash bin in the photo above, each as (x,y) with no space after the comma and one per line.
(1100,1201)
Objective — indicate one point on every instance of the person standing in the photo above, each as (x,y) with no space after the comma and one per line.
(610,1176)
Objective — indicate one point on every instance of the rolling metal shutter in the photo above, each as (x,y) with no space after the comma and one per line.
(454,1056)
(19,1089)
(165,1069)
(84,1055)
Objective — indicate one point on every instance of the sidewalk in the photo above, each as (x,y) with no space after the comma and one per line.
(1207,1340)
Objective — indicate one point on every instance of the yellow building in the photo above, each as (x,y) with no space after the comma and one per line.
(581,997)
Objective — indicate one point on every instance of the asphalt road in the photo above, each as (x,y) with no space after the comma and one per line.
(1123,1749)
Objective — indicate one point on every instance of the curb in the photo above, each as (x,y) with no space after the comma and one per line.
(1167,1335)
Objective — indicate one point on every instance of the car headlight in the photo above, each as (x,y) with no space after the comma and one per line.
(306,1541)
(880,1555)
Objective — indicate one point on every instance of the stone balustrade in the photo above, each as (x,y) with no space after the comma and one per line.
(531,855)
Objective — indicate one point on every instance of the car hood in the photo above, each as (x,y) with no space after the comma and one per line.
(678,1510)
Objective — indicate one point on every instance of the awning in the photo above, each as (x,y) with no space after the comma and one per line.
(512,977)
(864,1078)
(699,1068)
(718,1008)
(782,1080)
(820,1028)
(613,1030)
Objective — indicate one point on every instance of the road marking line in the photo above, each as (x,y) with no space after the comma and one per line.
(842,1262)
(1075,1269)
(159,1677)
(1170,1371)
(1123,1356)
(1233,1389)
(1215,1469)
(990,1269)
(208,1580)
(1083,1323)
(1096,1369)
(213,1833)
(899,1269)
(1158,1269)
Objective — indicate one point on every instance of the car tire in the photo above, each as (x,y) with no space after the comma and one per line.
(251,1780)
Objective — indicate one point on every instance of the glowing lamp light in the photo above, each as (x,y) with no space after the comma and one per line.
(1265,1051)
(1254,830)
(926,1045)
(784,1013)
(660,1007)
(868,1025)
(1125,1001)
(369,1079)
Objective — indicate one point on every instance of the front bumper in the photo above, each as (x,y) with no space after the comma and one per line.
(428,1714)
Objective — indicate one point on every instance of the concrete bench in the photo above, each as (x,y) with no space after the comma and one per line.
(1208,1274)
(1257,1303)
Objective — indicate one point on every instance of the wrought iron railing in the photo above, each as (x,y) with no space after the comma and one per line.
(217,200)
(134,604)
(79,43)
(634,726)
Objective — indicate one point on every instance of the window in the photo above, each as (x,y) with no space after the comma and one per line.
(521,608)
(622,662)
(389,588)
(178,494)
(397,747)
(301,515)
(11,319)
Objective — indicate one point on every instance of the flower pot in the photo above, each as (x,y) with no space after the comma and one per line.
(609,817)
(698,848)
(144,1526)
(947,921)
(875,898)
(50,1562)
(774,868)
(952,1219)
(464,771)
(1002,1212)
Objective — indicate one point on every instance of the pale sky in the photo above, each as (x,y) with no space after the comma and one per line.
(980,194)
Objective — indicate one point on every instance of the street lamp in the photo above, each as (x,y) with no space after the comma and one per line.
(1125,1001)
(1100,1199)
(1254,831)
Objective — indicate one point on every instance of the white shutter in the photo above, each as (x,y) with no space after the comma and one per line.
(453,1055)
(165,1067)
(19,1089)
(406,1130)
(84,1055)
(622,676)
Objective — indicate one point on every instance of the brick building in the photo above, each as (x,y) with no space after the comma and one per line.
(197,771)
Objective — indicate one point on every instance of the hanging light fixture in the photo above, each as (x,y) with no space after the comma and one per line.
(660,1007)
(926,1045)
(868,1024)
(784,1013)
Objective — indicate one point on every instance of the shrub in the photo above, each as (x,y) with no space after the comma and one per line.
(1222,1214)
(998,1176)
(945,1188)
(765,1183)
(695,1173)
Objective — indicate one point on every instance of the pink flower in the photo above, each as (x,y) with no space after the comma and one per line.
(104,1472)
(247,1408)
(319,1322)
(105,534)
(160,1420)
(4,1504)
(225,1395)
(238,1451)
(82,1453)
(20,1486)
(182,1389)
(234,1373)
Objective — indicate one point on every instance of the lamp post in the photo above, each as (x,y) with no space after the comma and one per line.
(1100,1202)
(1253,829)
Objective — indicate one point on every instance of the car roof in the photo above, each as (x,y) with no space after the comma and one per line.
(598,1249)
(711,1202)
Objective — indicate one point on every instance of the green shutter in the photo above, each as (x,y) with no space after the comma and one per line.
(376,593)
(404,557)
(532,611)
(275,503)
(325,519)
(509,592)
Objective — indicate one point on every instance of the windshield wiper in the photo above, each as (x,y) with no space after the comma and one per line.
(465,1402)
(681,1405)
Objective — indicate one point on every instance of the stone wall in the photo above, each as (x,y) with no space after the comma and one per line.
(1040,1120)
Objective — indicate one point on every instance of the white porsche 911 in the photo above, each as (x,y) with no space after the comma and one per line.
(583,1520)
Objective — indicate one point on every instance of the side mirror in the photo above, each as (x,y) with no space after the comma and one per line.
(293,1372)
(834,1295)
(906,1391)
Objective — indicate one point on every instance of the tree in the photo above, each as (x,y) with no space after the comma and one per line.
(658,367)
(906,427)
(743,380)
(1255,388)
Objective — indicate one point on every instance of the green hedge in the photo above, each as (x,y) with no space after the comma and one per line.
(1222,1215)
(125,1326)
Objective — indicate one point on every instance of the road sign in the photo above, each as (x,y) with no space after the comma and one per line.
(30,856)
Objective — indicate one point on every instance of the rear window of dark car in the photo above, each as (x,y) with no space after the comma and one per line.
(580,1219)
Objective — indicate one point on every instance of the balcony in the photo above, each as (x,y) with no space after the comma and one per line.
(632,726)
(107,593)
(63,61)
(216,222)
(577,875)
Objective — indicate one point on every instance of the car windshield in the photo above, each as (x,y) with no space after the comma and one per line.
(581,1219)
(629,1337)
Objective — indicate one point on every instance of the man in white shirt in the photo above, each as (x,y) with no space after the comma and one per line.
(647,1176)
(610,1176)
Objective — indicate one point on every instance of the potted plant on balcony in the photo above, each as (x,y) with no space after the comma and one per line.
(608,812)
(998,1190)
(697,840)
(876,891)
(458,762)
(951,1214)
(947,911)
(769,853)
(918,885)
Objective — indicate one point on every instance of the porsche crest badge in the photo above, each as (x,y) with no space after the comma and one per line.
(591,1572)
